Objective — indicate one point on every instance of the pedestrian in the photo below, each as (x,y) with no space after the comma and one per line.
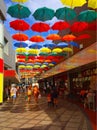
(13,92)
(36,93)
(29,93)
(49,99)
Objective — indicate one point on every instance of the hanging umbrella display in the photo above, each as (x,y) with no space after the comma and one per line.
(53,37)
(68,37)
(37,38)
(65,14)
(20,1)
(20,25)
(40,27)
(20,37)
(36,46)
(60,25)
(92,4)
(20,44)
(83,36)
(87,16)
(43,14)
(79,26)
(73,3)
(19,11)
(62,44)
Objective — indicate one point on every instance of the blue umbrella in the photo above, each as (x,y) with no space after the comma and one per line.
(49,45)
(36,45)
(21,44)
(62,44)
(74,44)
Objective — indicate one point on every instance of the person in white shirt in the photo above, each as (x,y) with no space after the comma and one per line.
(13,92)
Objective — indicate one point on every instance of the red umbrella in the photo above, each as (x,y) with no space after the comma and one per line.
(92,25)
(60,25)
(83,36)
(53,37)
(19,25)
(37,38)
(79,26)
(40,27)
(20,37)
(68,37)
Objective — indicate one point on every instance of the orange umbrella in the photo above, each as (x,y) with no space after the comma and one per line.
(20,37)
(53,37)
(68,37)
(37,38)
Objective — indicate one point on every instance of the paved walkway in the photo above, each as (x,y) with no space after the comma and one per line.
(23,116)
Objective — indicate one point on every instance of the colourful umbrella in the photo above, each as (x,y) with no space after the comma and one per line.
(68,37)
(83,36)
(62,44)
(19,11)
(21,44)
(21,50)
(45,50)
(20,37)
(73,3)
(92,4)
(37,38)
(60,25)
(87,15)
(92,25)
(19,25)
(43,14)
(49,44)
(33,51)
(79,26)
(21,56)
(53,37)
(40,27)
(20,1)
(57,50)
(36,46)
(67,49)
(74,44)
(65,14)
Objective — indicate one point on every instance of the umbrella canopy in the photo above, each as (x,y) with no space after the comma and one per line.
(73,3)
(57,50)
(79,26)
(20,25)
(92,4)
(20,37)
(49,45)
(21,1)
(33,51)
(83,36)
(21,50)
(21,44)
(40,27)
(87,15)
(43,14)
(53,37)
(92,25)
(36,46)
(68,37)
(45,50)
(19,11)
(60,25)
(21,56)
(67,49)
(74,44)
(62,44)
(37,38)
(65,14)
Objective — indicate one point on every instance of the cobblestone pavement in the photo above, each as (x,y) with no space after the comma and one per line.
(24,116)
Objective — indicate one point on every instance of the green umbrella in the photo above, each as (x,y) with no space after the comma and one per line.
(43,14)
(87,16)
(18,11)
(65,14)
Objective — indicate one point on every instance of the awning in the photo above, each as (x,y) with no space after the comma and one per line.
(11,75)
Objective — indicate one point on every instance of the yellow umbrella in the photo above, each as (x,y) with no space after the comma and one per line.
(29,67)
(45,50)
(73,3)
(33,51)
(21,66)
(67,49)
(57,50)
(21,1)
(20,50)
(92,4)
(36,66)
